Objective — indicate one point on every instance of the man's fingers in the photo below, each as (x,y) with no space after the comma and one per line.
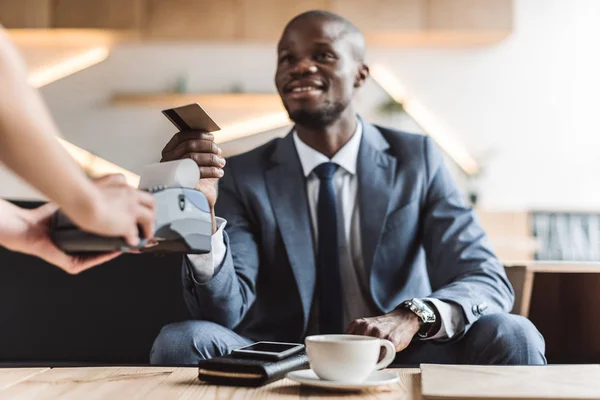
(206,159)
(211,172)
(210,165)
(358,327)
(190,146)
(171,144)
(355,328)
(186,135)
(373,330)
(198,146)
(382,327)
(350,328)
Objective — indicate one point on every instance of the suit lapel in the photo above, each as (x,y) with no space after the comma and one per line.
(287,191)
(376,174)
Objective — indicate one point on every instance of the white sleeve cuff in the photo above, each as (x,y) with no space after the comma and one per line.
(204,265)
(452,319)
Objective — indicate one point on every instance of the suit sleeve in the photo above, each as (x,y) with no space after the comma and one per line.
(227,296)
(462,267)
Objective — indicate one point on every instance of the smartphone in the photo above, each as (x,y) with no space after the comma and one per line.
(191,117)
(268,350)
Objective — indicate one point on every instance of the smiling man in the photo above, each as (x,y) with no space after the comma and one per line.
(341,227)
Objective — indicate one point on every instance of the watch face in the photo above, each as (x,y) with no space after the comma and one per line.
(419,303)
(423,310)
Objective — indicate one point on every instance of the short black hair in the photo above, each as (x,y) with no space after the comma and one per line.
(349,29)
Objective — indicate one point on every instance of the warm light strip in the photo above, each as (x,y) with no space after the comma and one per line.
(252,126)
(98,166)
(76,63)
(431,126)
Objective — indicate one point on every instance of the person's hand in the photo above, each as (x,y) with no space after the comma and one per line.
(398,326)
(200,147)
(118,211)
(35,240)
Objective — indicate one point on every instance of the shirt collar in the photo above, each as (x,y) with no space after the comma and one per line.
(346,157)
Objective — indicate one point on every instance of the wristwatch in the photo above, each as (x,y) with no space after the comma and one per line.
(425,313)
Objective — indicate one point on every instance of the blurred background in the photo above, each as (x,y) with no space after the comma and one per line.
(507,88)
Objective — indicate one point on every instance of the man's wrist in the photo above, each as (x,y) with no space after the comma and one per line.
(412,319)
(416,322)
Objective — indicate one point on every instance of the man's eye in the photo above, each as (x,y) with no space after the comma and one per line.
(284,59)
(325,57)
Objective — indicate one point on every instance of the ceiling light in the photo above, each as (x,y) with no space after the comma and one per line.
(55,71)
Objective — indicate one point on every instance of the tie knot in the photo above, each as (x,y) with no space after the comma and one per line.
(326,170)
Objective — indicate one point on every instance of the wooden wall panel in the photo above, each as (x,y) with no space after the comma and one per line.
(384,22)
(109,14)
(25,13)
(192,19)
(265,19)
(466,15)
(382,15)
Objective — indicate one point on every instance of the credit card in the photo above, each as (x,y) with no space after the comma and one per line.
(191,117)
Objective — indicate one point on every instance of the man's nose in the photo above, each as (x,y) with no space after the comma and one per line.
(304,67)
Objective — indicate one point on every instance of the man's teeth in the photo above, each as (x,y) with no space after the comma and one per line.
(304,89)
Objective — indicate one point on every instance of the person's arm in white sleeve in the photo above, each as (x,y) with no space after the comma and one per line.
(205,265)
(451,318)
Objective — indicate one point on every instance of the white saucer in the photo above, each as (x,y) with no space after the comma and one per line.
(377,378)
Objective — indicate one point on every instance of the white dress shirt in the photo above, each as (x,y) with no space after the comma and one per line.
(357,298)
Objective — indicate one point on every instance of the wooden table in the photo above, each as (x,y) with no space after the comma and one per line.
(149,383)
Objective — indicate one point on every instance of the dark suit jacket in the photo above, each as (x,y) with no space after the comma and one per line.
(419,238)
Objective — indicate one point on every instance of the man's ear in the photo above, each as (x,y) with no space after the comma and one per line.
(361,76)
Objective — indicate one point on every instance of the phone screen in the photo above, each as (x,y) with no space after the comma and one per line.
(269,347)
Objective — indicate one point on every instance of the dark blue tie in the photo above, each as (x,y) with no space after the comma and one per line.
(328,262)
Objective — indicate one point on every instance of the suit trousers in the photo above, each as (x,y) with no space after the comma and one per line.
(494,339)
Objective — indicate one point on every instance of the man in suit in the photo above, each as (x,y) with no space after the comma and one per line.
(341,226)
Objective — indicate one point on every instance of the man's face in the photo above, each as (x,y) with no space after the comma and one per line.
(317,72)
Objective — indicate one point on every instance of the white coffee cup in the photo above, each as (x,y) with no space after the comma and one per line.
(347,358)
